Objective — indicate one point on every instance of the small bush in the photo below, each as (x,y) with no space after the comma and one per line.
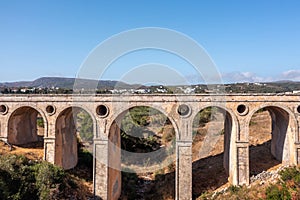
(234,189)
(47,177)
(289,173)
(297,179)
(274,192)
(40,122)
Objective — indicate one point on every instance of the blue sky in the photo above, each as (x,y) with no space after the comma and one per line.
(248,40)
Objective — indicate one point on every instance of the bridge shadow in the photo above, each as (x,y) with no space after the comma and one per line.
(134,187)
(33,145)
(208,174)
(84,167)
(261,159)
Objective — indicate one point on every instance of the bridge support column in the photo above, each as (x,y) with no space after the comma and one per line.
(297,148)
(49,149)
(3,131)
(100,173)
(242,163)
(184,170)
(296,140)
(50,140)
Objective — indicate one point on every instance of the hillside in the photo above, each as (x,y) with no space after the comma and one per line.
(66,83)
(104,86)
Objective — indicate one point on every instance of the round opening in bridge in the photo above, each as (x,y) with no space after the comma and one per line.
(242,109)
(50,109)
(298,109)
(3,109)
(102,111)
(183,110)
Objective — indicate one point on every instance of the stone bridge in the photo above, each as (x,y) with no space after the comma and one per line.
(18,115)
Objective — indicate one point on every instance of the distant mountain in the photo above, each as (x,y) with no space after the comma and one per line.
(69,83)
(285,81)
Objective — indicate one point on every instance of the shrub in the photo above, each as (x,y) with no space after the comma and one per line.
(40,122)
(21,178)
(274,192)
(289,173)
(297,179)
(17,181)
(47,177)
(233,189)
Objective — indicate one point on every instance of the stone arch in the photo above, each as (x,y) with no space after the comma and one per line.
(114,148)
(231,129)
(122,111)
(66,152)
(284,132)
(22,125)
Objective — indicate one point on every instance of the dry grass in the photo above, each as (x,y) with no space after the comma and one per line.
(36,153)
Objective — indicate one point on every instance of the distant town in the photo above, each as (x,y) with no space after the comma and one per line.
(50,85)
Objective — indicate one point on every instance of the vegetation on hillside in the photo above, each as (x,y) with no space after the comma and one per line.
(286,187)
(23,175)
(204,116)
(137,130)
(85,126)
(21,178)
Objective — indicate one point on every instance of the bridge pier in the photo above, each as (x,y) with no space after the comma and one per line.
(297,137)
(184,170)
(49,149)
(183,185)
(297,153)
(241,162)
(100,166)
(242,172)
